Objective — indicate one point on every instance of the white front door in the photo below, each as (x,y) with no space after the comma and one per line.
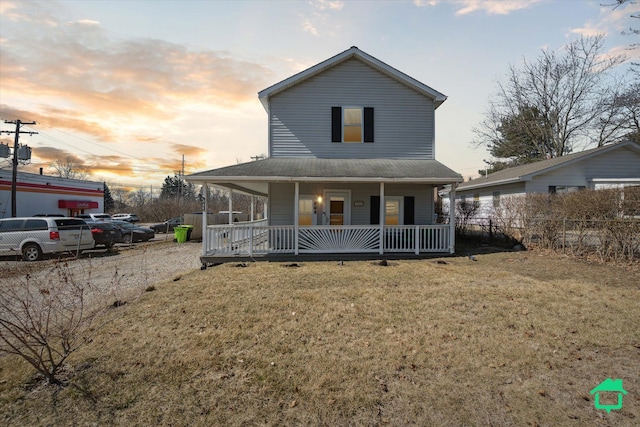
(337,207)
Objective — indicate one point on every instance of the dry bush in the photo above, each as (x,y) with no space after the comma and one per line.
(540,220)
(509,217)
(581,223)
(44,320)
(465,212)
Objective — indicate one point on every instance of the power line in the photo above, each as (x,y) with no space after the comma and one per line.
(14,174)
(102,146)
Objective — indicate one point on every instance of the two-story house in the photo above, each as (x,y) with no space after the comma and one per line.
(351,167)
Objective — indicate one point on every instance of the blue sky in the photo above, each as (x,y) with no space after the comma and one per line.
(128,87)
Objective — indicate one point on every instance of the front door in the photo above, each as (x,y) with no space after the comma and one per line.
(336,207)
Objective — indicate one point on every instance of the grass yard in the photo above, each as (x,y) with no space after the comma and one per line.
(514,338)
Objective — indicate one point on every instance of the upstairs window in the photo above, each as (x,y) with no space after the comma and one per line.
(351,124)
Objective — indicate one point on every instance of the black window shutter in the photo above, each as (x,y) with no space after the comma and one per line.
(368,124)
(375,210)
(409,210)
(336,124)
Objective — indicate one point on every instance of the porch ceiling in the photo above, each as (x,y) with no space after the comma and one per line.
(254,176)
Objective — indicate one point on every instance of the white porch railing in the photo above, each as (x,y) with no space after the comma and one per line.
(257,238)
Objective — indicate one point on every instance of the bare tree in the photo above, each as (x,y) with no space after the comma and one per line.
(67,168)
(121,197)
(140,197)
(45,320)
(555,103)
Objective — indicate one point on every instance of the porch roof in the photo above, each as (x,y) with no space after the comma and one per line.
(253,176)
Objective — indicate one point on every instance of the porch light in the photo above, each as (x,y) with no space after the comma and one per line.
(319,199)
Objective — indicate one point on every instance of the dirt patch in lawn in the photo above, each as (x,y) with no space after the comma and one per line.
(514,338)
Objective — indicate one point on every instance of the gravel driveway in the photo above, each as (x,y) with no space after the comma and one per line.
(117,273)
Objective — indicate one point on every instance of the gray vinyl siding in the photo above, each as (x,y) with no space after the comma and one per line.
(621,163)
(281,210)
(300,117)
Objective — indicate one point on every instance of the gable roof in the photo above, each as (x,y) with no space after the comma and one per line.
(353,52)
(530,170)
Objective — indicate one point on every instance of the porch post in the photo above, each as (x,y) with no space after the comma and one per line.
(230,206)
(296,208)
(381,251)
(205,244)
(252,206)
(452,218)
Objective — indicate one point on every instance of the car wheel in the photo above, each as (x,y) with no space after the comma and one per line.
(31,252)
(127,239)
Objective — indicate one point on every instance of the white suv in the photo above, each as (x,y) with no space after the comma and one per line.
(35,236)
(94,217)
(129,217)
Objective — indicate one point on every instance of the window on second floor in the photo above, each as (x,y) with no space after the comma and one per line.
(351,124)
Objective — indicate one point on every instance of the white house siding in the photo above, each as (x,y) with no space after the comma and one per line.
(282,195)
(300,117)
(621,163)
(485,196)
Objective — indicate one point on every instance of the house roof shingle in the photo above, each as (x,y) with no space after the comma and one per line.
(529,170)
(349,170)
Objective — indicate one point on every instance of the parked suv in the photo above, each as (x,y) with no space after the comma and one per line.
(129,217)
(35,236)
(94,217)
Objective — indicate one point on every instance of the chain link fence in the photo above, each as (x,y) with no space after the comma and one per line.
(604,223)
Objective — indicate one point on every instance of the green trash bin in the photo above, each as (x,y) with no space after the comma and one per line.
(189,230)
(180,233)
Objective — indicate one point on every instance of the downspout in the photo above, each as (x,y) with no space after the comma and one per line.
(296,209)
(382,206)
(452,218)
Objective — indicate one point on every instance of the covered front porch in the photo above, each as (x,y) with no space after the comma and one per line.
(254,239)
(324,210)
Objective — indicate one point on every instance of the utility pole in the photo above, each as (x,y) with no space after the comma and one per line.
(14,175)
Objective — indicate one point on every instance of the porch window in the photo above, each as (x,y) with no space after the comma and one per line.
(305,211)
(398,210)
(351,124)
(392,208)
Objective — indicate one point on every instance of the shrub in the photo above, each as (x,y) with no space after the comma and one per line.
(44,320)
(601,222)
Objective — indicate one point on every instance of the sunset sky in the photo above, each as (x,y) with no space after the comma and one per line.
(126,88)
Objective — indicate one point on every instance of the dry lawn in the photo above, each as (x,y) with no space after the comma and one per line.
(511,339)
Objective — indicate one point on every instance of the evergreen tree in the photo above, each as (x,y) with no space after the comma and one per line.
(174,187)
(109,203)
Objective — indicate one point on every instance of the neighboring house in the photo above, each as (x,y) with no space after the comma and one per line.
(609,166)
(49,195)
(351,166)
